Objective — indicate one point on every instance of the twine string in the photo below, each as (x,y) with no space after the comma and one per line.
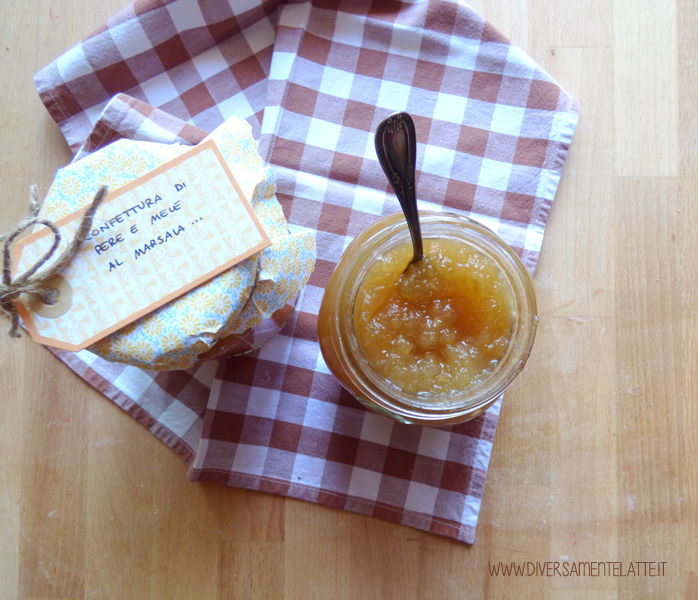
(33,283)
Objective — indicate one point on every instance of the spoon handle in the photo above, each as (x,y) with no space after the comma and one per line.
(396,147)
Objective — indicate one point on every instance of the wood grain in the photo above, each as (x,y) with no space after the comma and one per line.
(596,454)
(645,57)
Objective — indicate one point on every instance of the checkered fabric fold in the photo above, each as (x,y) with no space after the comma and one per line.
(314,79)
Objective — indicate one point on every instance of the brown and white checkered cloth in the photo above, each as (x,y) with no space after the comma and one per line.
(314,79)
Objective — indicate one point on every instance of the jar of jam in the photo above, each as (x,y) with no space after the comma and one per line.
(435,342)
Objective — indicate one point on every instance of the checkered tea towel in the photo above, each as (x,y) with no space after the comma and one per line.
(314,79)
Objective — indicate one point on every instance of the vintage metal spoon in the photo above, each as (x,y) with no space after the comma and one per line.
(396,146)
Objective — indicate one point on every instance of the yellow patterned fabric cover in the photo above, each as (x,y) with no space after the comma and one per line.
(230,304)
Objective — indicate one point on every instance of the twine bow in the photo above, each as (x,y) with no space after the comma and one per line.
(32,283)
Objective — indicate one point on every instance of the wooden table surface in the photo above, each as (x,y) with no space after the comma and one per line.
(596,454)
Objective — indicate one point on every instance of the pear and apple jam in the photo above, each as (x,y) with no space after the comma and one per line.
(435,342)
(436,327)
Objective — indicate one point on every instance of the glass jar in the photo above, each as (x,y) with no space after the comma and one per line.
(343,355)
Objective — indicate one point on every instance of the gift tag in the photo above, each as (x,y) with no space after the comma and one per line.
(150,242)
